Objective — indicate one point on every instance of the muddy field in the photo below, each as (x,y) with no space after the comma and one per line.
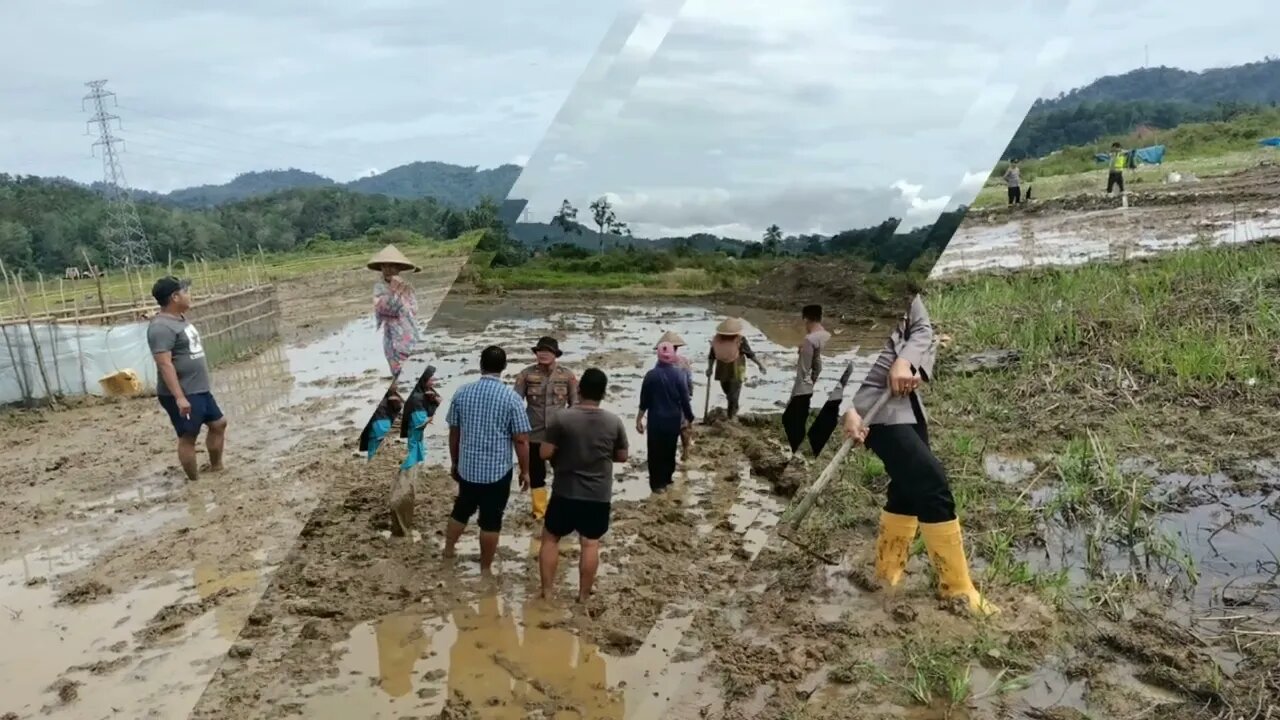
(148,582)
(1242,207)
(1130,587)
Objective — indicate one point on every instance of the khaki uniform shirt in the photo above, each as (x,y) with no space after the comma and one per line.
(912,340)
(544,393)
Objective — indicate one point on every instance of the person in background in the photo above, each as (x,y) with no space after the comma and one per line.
(419,410)
(375,431)
(582,444)
(185,389)
(395,307)
(919,496)
(727,361)
(487,422)
(1013,178)
(1117,162)
(664,399)
(682,362)
(547,388)
(795,419)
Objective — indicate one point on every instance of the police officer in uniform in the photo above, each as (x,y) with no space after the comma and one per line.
(546,388)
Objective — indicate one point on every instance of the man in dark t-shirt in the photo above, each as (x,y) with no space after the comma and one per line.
(183,385)
(582,442)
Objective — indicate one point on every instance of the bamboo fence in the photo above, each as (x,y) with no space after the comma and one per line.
(237,313)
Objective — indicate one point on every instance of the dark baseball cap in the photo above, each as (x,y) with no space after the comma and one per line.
(166,286)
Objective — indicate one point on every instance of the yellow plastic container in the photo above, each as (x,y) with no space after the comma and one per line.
(122,383)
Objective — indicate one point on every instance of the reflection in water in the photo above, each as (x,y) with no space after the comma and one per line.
(502,672)
(474,673)
(401,644)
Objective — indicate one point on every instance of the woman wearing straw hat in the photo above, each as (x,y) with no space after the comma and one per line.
(395,307)
(727,361)
(682,362)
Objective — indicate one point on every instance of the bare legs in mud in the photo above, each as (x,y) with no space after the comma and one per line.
(549,560)
(215,440)
(488,544)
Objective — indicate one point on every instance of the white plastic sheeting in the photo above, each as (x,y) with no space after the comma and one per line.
(75,357)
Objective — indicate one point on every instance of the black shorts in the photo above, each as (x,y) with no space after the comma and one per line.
(566,516)
(204,410)
(489,499)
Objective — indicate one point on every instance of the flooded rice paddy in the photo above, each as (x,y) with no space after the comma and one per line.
(275,590)
(155,548)
(1116,234)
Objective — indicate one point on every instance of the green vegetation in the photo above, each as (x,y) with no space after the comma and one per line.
(703,263)
(211,275)
(1158,97)
(630,269)
(46,226)
(1199,140)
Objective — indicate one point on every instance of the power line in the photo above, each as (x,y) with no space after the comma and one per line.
(126,244)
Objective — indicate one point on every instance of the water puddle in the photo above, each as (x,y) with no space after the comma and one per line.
(505,660)
(94,648)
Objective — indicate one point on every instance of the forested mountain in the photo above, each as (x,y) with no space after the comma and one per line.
(451,185)
(1156,97)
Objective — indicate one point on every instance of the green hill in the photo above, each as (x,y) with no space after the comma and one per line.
(1159,98)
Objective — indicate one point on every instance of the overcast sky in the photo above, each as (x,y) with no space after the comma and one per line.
(696,115)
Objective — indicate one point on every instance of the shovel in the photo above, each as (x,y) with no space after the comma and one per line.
(805,506)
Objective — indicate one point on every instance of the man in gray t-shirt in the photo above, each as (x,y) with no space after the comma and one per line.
(583,443)
(183,385)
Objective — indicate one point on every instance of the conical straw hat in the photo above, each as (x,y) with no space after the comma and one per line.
(673,337)
(731,326)
(390,255)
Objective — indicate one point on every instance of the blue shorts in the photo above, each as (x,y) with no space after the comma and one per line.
(204,410)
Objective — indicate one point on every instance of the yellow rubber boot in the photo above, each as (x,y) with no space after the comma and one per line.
(539,498)
(893,546)
(946,551)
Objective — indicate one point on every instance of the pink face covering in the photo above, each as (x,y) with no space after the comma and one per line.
(667,353)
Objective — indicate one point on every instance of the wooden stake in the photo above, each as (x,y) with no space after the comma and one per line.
(62,297)
(53,337)
(84,381)
(102,301)
(35,341)
(19,372)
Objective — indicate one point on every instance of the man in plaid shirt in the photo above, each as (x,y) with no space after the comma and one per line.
(486,421)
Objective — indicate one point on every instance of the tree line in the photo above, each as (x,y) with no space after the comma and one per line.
(48,225)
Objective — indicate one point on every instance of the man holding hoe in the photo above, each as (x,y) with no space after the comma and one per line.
(919,496)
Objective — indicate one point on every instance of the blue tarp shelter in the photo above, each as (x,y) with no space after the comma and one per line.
(1153,155)
(1270,142)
